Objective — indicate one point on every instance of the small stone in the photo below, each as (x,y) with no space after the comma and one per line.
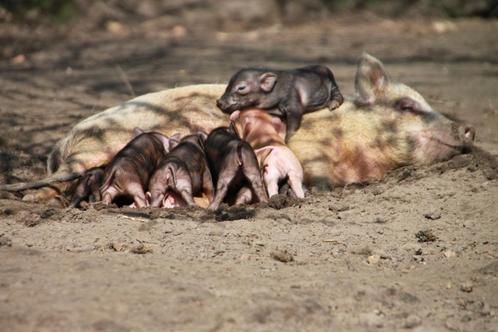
(380,220)
(5,241)
(179,31)
(449,253)
(18,59)
(412,321)
(115,27)
(371,319)
(117,246)
(466,287)
(373,259)
(141,249)
(432,216)
(282,256)
(418,259)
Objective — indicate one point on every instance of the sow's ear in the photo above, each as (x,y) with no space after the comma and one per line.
(371,79)
(267,81)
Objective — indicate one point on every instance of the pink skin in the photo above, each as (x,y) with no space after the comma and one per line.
(172,200)
(266,135)
(279,164)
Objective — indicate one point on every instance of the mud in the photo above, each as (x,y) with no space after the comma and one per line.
(345,259)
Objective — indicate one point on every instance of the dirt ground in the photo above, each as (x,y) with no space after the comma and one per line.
(418,250)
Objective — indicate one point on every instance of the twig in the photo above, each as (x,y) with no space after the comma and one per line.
(125,80)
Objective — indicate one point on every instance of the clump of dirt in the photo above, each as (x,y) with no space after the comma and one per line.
(5,241)
(283,256)
(235,213)
(279,202)
(426,236)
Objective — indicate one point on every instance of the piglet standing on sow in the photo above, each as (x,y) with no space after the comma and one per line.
(129,171)
(182,174)
(234,166)
(277,162)
(285,93)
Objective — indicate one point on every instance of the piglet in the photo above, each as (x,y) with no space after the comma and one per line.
(285,93)
(182,174)
(87,187)
(234,167)
(129,171)
(265,134)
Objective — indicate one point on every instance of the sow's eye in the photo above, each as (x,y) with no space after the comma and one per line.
(407,104)
(242,89)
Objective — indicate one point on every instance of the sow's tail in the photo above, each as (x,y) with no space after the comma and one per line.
(54,178)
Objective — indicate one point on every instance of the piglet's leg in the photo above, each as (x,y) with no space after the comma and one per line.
(183,185)
(225,177)
(187,197)
(244,196)
(294,113)
(251,171)
(108,194)
(207,185)
(296,184)
(157,197)
(271,177)
(137,192)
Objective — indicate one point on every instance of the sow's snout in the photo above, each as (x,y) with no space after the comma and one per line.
(466,134)
(445,140)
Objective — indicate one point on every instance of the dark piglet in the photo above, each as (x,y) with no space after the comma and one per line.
(234,167)
(88,187)
(284,93)
(129,171)
(183,171)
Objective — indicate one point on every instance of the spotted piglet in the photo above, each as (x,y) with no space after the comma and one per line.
(182,174)
(234,167)
(88,187)
(278,163)
(129,171)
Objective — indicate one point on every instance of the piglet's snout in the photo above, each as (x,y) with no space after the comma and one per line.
(222,104)
(219,103)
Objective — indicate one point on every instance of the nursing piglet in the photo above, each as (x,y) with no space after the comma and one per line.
(277,162)
(234,167)
(88,187)
(129,171)
(182,174)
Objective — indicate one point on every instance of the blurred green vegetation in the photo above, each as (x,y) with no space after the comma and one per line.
(60,10)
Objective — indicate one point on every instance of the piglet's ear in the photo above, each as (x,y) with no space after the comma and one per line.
(174,140)
(166,142)
(371,79)
(267,81)
(202,135)
(137,131)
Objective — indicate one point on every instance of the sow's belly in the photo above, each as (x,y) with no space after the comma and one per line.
(96,140)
